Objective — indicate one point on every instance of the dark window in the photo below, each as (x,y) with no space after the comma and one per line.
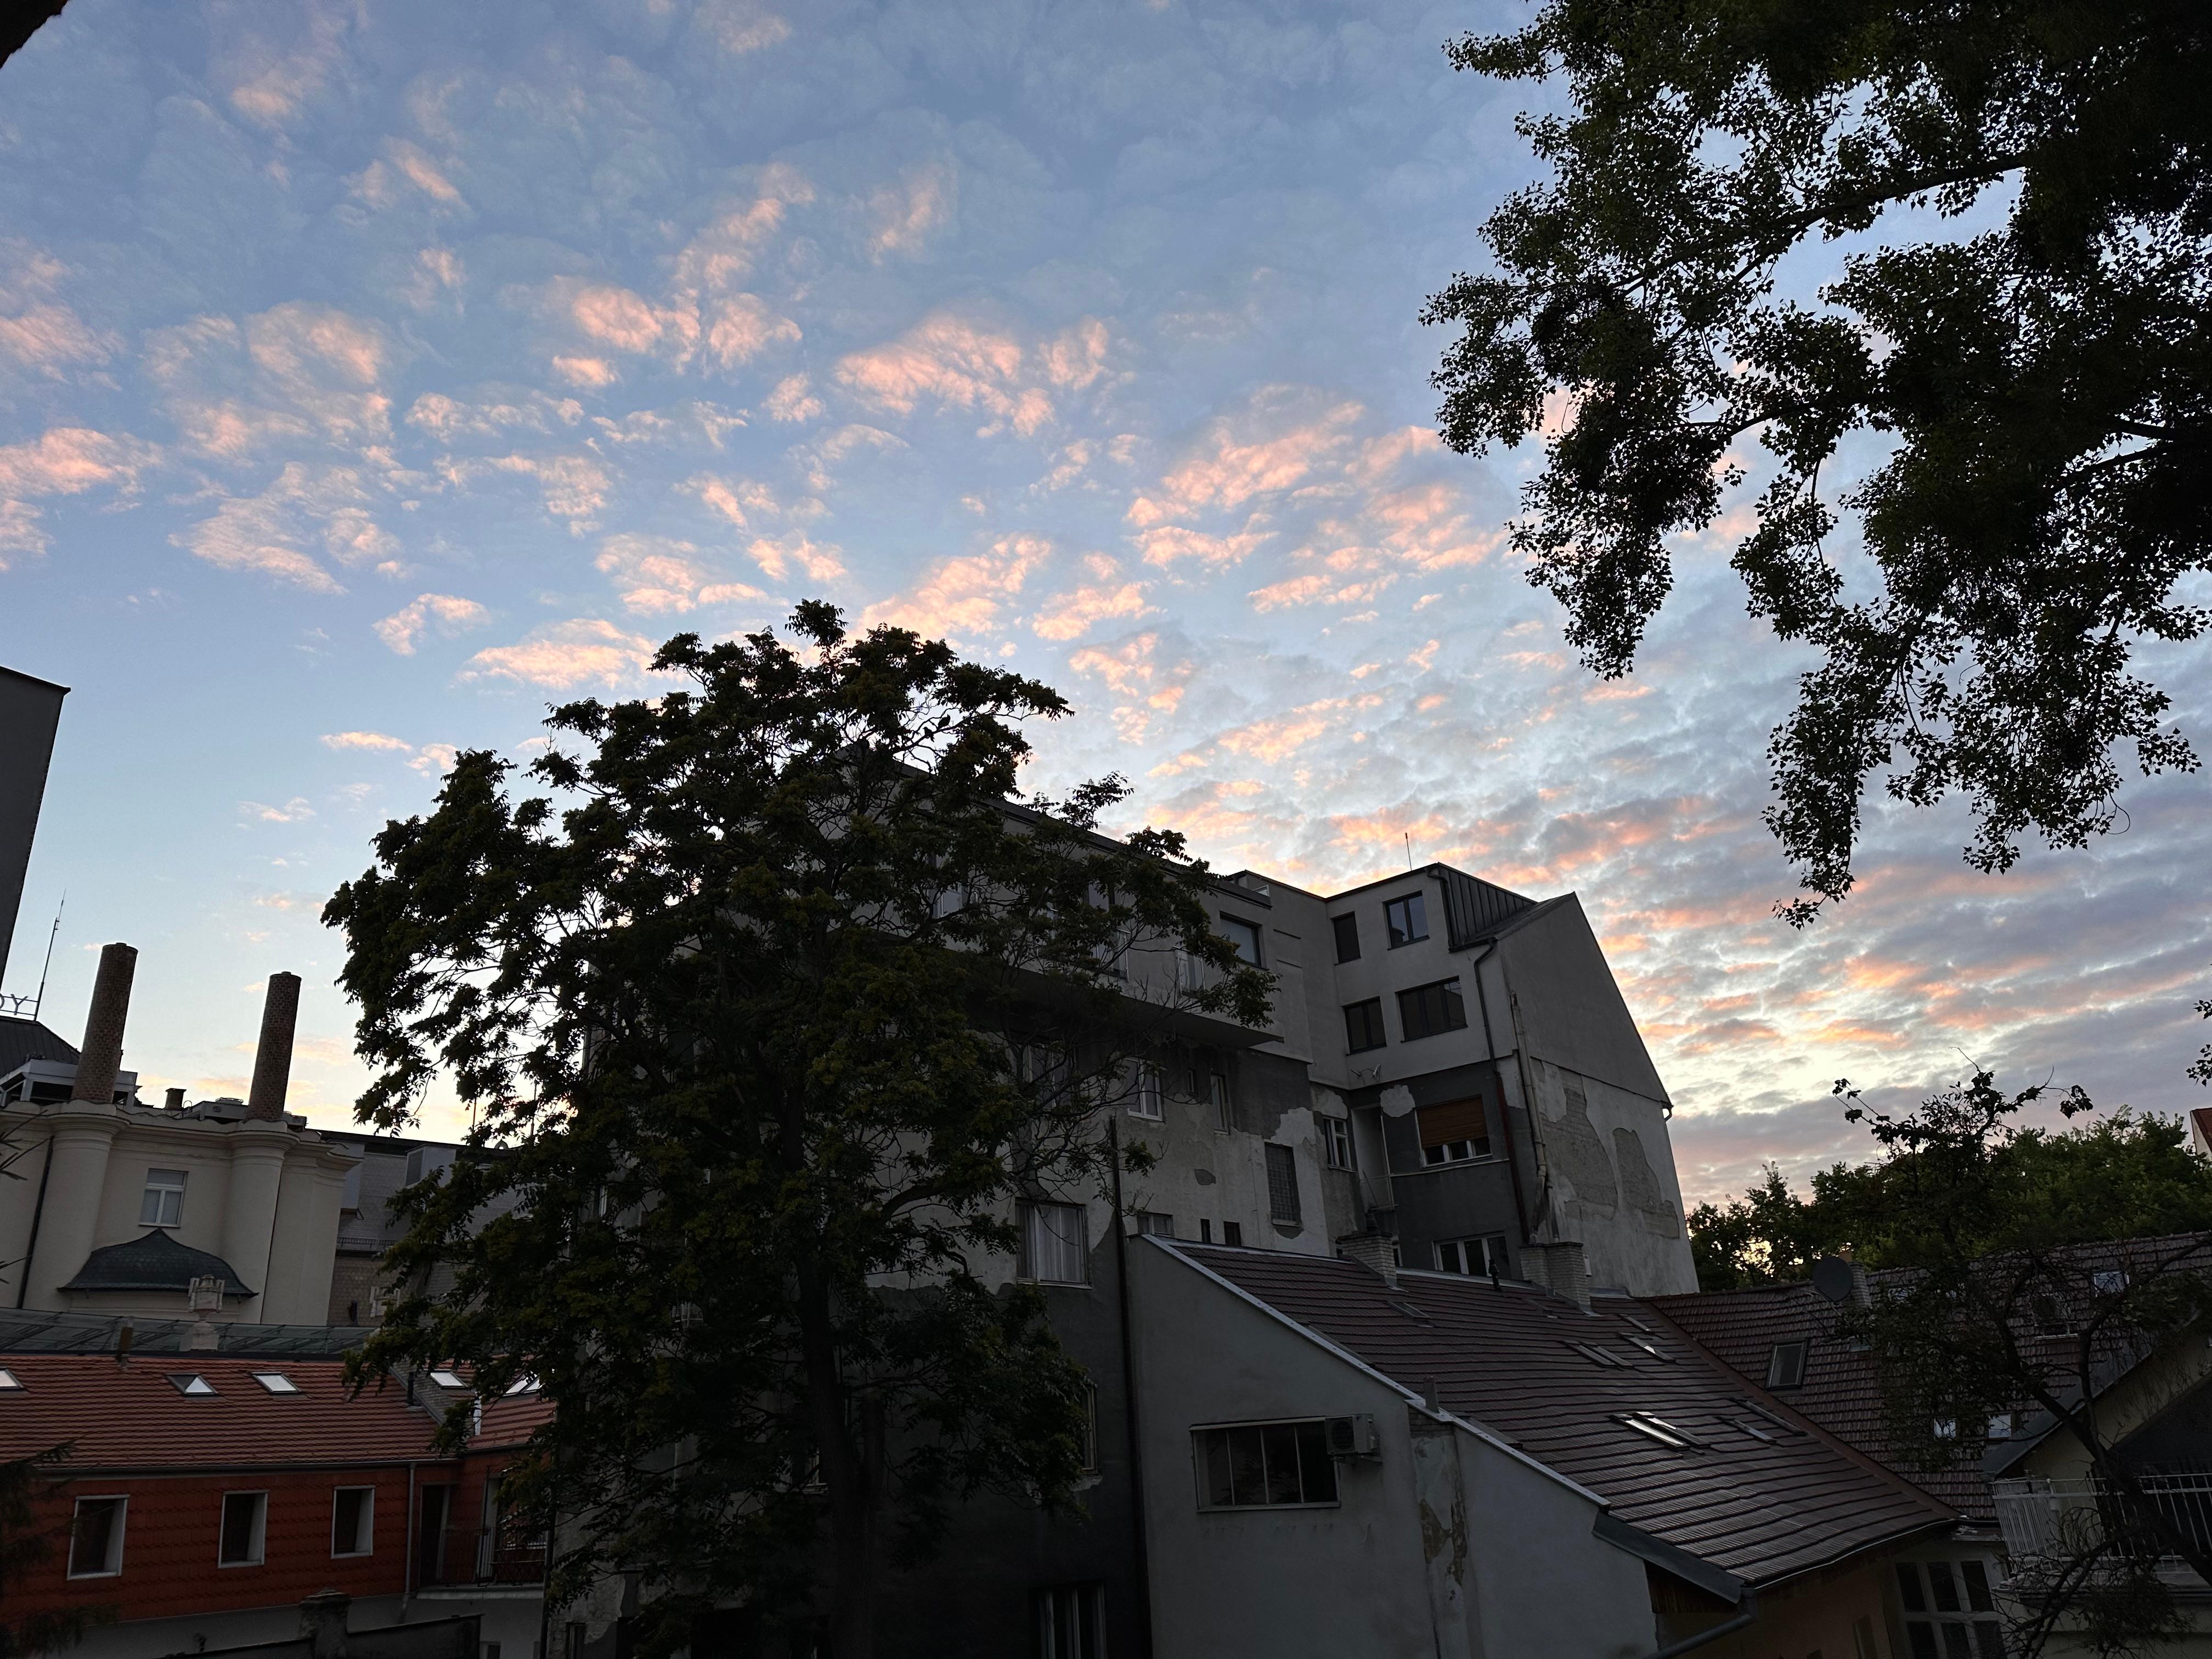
(1206,1230)
(243,1513)
(1405,919)
(1154,1222)
(1940,1625)
(1091,1428)
(353,1519)
(1336,1144)
(430,1536)
(1283,1185)
(1483,1257)
(1072,1622)
(1224,1117)
(1785,1365)
(1363,1025)
(1245,936)
(1453,1131)
(1348,937)
(1428,1009)
(96,1537)
(1232,1233)
(1261,1465)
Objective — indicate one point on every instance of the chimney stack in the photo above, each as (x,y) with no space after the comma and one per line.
(1371,1251)
(272,1059)
(173,1099)
(100,1057)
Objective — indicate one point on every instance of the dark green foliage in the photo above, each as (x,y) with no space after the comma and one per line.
(29,1540)
(764,1027)
(2033,390)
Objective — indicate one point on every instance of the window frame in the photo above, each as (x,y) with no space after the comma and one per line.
(1254,935)
(1488,1248)
(1202,1479)
(1415,905)
(1282,1161)
(1346,929)
(1225,1109)
(259,1545)
(155,1196)
(1451,999)
(1085,1627)
(115,1542)
(364,1523)
(1149,1088)
(1914,1579)
(1803,1348)
(1338,1151)
(1154,1223)
(1378,1029)
(1026,1265)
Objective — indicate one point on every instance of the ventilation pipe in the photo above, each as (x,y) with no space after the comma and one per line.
(272,1058)
(101,1056)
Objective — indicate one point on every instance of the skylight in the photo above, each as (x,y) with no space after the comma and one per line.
(1652,1348)
(1659,1429)
(191,1383)
(9,1382)
(525,1384)
(1774,1417)
(447,1379)
(1598,1356)
(276,1382)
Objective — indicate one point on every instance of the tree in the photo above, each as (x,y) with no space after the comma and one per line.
(2015,360)
(765,1030)
(28,1542)
(2011,1307)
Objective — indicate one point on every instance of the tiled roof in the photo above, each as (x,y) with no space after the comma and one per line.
(1505,1357)
(122,1417)
(33,1330)
(27,1039)
(154,1261)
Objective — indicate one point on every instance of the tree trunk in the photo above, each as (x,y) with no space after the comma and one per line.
(849,1472)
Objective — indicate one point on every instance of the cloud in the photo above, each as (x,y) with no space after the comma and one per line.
(901,215)
(963,598)
(656,574)
(957,362)
(48,338)
(791,401)
(68,460)
(741,28)
(1286,437)
(446,418)
(294,811)
(272,533)
(597,372)
(573,487)
(373,741)
(780,556)
(1107,598)
(449,613)
(295,372)
(563,656)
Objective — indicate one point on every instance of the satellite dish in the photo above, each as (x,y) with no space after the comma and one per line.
(1832,1277)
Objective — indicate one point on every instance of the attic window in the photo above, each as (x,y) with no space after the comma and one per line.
(1598,1356)
(1659,1429)
(276,1382)
(524,1384)
(1785,1365)
(2111,1282)
(1765,1416)
(191,1383)
(1651,1348)
(9,1382)
(447,1379)
(1755,1432)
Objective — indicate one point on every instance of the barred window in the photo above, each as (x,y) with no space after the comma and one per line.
(1283,1185)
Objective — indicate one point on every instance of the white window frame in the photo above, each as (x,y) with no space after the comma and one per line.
(1198,1473)
(1148,1097)
(1338,1151)
(122,1502)
(1477,1254)
(1042,1239)
(1155,1223)
(365,1526)
(260,1545)
(1224,1113)
(162,1204)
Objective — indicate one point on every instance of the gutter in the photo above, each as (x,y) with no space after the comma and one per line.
(1729,1627)
(1693,1569)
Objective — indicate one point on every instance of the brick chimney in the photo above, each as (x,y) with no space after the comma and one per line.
(1373,1251)
(100,1057)
(1564,1272)
(272,1059)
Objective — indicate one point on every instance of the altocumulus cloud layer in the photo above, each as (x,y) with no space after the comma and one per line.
(374,376)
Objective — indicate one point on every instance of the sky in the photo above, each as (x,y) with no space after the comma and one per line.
(374,376)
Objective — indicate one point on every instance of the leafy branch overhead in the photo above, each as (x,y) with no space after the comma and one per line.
(768,1014)
(2013,372)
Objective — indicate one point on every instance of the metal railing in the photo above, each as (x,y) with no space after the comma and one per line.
(2042,1519)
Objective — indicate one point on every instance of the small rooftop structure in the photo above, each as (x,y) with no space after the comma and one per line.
(155,1262)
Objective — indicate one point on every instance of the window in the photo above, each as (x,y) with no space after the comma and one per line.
(1091,1428)
(1785,1365)
(1336,1144)
(8,1382)
(1263,1466)
(525,1383)
(1217,1087)
(1072,1622)
(1428,1009)
(163,1202)
(276,1382)
(445,1378)
(2111,1282)
(1659,1429)
(1055,1244)
(1363,1025)
(1205,1232)
(1453,1131)
(1156,1223)
(1283,1186)
(1244,935)
(352,1521)
(1484,1257)
(1406,920)
(244,1516)
(1146,1100)
(1949,1615)
(191,1383)
(1232,1233)
(1348,937)
(2051,1317)
(96,1537)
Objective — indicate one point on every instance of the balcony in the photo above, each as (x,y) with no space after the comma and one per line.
(2045,1520)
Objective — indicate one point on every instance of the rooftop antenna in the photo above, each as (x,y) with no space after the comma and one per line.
(39,1002)
(1408,834)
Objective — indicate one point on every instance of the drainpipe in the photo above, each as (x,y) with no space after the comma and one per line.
(407,1567)
(38,1214)
(1505,1113)
(1750,1606)
(1129,1402)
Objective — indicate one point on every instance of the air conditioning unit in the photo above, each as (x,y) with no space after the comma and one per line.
(1351,1437)
(426,1161)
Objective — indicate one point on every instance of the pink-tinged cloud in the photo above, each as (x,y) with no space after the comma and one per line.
(573,487)
(1286,439)
(740,28)
(449,613)
(68,460)
(901,215)
(375,742)
(448,418)
(957,363)
(964,598)
(1071,616)
(272,77)
(1167,544)
(595,373)
(563,656)
(744,327)
(779,556)
(270,533)
(792,402)
(616,317)
(658,575)
(48,338)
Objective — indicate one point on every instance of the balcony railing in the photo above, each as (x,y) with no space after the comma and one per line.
(2043,1519)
